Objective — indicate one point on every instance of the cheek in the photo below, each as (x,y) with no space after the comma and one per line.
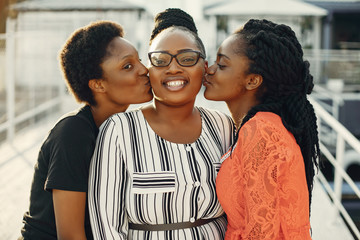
(222,78)
(154,74)
(198,73)
(155,82)
(125,80)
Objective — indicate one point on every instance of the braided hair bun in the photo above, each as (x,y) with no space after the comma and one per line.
(172,17)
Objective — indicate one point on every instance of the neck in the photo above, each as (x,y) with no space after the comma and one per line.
(171,113)
(101,113)
(239,108)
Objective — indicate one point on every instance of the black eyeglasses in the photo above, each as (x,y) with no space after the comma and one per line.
(186,58)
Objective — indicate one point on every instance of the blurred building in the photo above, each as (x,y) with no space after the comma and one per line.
(303,18)
(38,29)
(341,26)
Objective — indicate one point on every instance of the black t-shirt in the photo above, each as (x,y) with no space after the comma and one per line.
(63,163)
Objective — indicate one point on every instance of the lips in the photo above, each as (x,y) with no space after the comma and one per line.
(206,82)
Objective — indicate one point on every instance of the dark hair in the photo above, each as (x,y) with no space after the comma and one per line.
(276,54)
(82,54)
(177,18)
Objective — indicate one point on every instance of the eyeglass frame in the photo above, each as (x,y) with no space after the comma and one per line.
(200,55)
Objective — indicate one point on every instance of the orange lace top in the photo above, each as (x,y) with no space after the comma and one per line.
(262,185)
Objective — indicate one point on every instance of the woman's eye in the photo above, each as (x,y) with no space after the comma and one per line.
(128,66)
(188,59)
(159,61)
(221,67)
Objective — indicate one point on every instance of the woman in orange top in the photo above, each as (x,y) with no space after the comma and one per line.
(265,182)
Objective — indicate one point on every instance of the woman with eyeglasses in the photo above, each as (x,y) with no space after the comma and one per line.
(153,171)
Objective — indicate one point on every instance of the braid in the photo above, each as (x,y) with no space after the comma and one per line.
(277,56)
(176,18)
(172,17)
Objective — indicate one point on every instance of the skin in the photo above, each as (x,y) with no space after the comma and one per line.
(172,115)
(124,82)
(229,80)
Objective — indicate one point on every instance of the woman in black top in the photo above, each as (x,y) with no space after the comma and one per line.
(104,72)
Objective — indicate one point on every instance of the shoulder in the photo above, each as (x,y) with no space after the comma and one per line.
(214,115)
(79,121)
(125,116)
(123,119)
(267,129)
(265,120)
(76,128)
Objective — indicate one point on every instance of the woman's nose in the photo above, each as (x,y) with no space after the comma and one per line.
(174,66)
(143,70)
(211,70)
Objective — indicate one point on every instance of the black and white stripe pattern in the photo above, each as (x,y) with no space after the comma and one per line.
(136,176)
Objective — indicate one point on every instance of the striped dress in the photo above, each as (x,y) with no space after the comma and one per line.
(137,176)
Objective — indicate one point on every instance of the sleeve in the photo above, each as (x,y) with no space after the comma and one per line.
(228,132)
(70,146)
(258,156)
(107,186)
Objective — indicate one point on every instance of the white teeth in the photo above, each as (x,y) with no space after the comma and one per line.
(175,83)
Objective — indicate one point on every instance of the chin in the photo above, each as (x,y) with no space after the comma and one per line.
(148,99)
(207,95)
(212,97)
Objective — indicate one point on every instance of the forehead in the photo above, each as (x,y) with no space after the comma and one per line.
(230,46)
(117,51)
(118,46)
(172,40)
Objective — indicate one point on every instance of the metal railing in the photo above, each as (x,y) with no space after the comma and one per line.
(344,140)
(23,98)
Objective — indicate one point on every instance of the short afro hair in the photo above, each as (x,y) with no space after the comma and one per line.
(82,54)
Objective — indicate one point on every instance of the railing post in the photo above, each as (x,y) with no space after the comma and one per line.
(10,77)
(338,179)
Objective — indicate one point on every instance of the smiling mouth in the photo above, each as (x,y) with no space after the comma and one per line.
(175,85)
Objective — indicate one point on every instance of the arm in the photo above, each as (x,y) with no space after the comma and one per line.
(107,186)
(259,156)
(69,150)
(69,208)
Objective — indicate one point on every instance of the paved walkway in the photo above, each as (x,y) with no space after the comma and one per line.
(16,169)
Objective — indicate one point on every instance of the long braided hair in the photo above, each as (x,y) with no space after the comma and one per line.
(277,56)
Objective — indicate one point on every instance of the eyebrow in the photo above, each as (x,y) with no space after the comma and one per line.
(179,51)
(126,56)
(187,49)
(222,55)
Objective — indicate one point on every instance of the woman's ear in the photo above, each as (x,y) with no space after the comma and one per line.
(96,85)
(206,66)
(254,81)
